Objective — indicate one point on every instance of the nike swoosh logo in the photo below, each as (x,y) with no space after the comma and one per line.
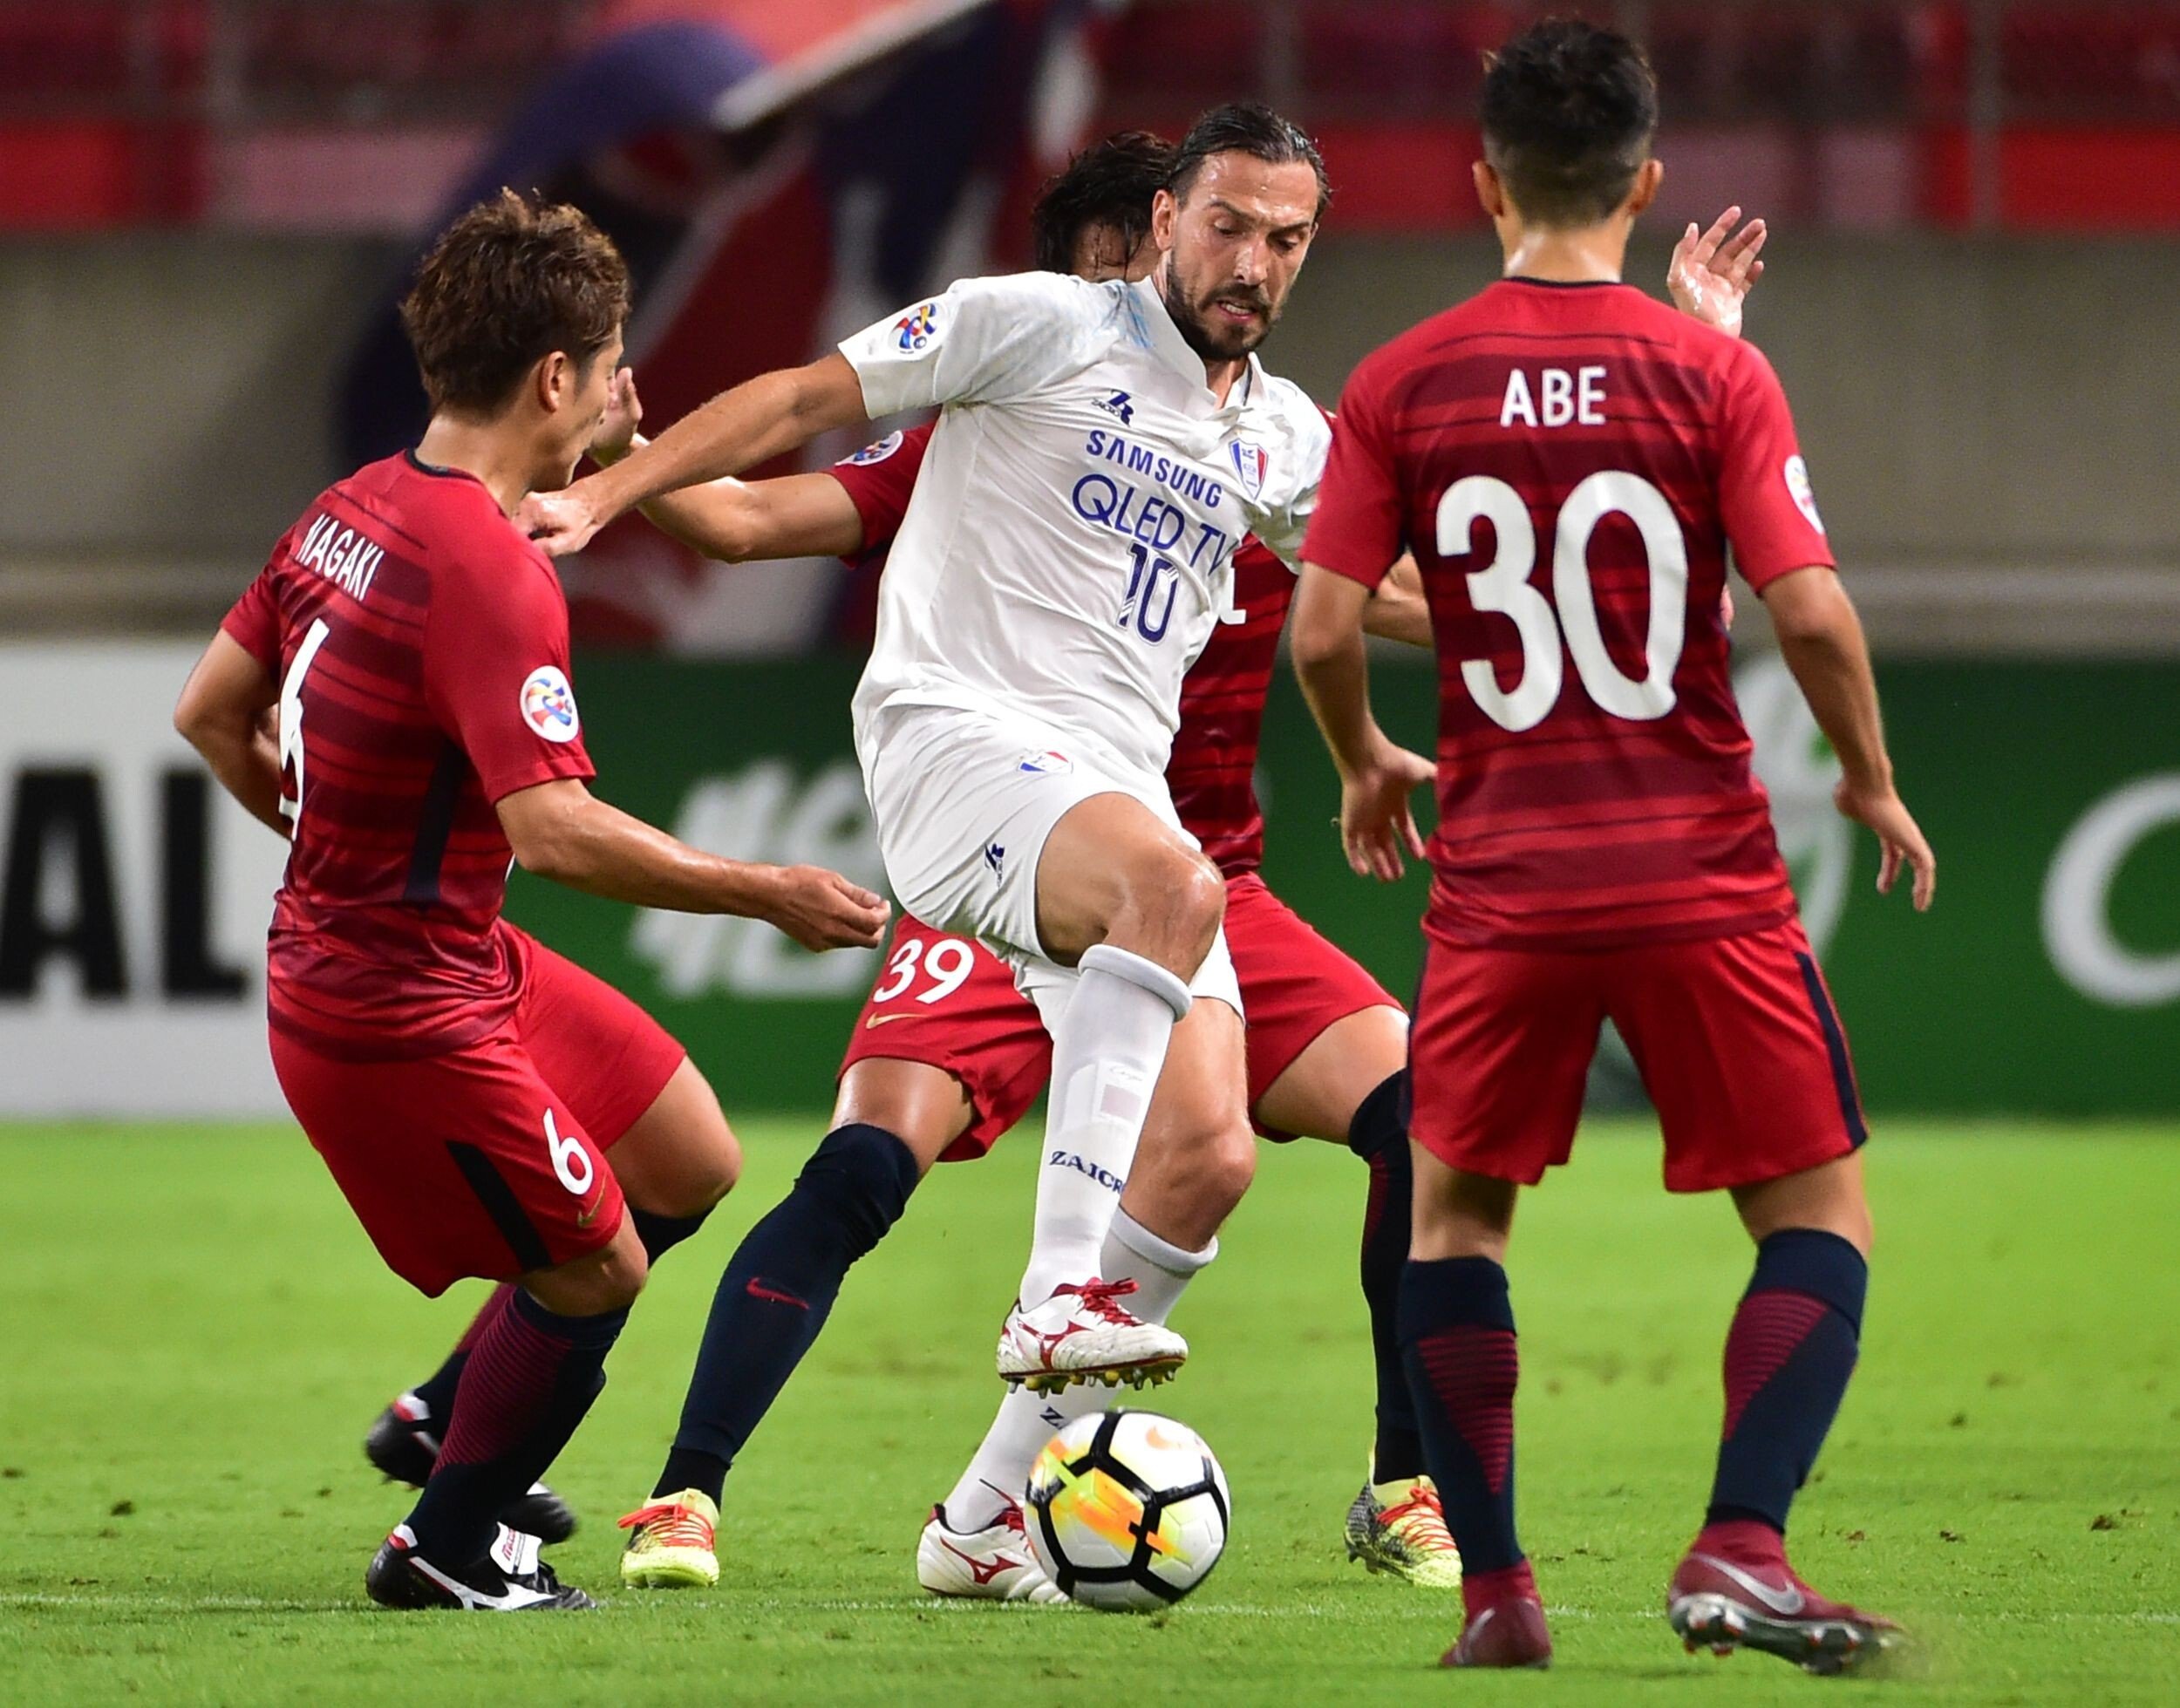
(881,1020)
(584,1218)
(1787,1601)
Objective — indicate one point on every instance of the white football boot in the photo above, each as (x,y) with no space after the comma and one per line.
(992,1564)
(1083,1334)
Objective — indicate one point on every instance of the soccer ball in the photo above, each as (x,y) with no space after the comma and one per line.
(1128,1511)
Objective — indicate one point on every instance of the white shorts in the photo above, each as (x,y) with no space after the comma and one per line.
(964,803)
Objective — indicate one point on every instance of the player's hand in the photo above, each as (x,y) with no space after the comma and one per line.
(561,522)
(624,414)
(820,909)
(1377,822)
(1899,838)
(1711,273)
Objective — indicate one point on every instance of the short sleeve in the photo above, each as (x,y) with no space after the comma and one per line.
(1765,499)
(982,341)
(253,622)
(880,479)
(1357,529)
(495,670)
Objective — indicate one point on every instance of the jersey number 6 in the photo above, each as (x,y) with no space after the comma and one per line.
(1503,587)
(291,717)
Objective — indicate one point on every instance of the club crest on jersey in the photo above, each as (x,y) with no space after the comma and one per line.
(1047,763)
(878,452)
(1252,462)
(1118,404)
(549,705)
(916,328)
(1798,488)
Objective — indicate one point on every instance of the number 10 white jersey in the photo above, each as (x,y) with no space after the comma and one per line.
(1069,545)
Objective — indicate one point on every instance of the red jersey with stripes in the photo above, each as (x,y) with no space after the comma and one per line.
(421,646)
(1212,768)
(1568,464)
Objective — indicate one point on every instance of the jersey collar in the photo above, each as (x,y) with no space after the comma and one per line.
(1166,344)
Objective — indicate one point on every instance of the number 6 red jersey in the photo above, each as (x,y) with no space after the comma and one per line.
(1568,464)
(421,646)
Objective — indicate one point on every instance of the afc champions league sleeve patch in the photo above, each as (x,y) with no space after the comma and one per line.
(1798,488)
(916,329)
(549,705)
(875,452)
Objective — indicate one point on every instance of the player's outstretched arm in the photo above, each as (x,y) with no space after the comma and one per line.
(794,515)
(222,715)
(759,419)
(1377,776)
(560,830)
(1822,639)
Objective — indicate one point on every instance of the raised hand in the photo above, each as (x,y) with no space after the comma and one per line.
(1712,273)
(1377,822)
(820,909)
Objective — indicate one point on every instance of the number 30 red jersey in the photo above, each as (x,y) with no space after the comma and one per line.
(1568,464)
(421,646)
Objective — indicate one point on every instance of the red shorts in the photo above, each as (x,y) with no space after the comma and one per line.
(948,1002)
(1735,1037)
(489,1159)
(1294,983)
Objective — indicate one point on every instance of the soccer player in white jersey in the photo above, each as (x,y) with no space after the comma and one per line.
(1103,448)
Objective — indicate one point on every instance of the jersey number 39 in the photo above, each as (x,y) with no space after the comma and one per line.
(1503,587)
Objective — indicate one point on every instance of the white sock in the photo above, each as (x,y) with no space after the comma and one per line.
(1107,1052)
(1026,1421)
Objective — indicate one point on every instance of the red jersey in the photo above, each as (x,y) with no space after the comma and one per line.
(1568,464)
(1212,769)
(421,646)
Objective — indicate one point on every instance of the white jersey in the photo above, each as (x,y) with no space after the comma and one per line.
(1069,545)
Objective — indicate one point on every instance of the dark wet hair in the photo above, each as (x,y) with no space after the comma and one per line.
(1250,128)
(1108,183)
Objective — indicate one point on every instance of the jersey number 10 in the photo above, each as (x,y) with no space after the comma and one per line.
(1505,587)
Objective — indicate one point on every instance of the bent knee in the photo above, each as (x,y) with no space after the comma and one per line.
(1174,901)
(608,1280)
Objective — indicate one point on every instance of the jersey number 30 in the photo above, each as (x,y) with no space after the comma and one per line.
(1505,587)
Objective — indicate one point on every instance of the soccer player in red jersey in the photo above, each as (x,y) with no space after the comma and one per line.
(1570,462)
(463,1083)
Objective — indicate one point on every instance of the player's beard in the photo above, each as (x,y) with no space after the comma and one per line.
(1211,339)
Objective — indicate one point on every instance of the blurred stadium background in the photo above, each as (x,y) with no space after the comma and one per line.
(207,207)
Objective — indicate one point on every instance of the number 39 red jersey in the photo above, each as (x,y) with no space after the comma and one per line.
(1568,464)
(421,646)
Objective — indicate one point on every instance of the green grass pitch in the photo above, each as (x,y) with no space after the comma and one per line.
(197,1334)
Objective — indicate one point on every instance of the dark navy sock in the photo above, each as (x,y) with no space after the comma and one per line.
(661,1234)
(1457,1331)
(1378,1134)
(777,1291)
(1787,1358)
(530,1377)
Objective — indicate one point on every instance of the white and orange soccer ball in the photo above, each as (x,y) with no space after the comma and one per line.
(1128,1511)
